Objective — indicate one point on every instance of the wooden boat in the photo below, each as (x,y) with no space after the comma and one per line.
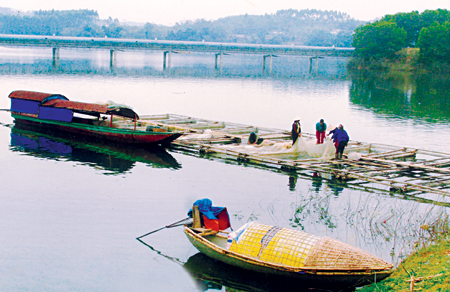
(104,121)
(294,254)
(113,156)
(217,275)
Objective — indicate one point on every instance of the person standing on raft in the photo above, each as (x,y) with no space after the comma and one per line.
(296,130)
(321,127)
(342,139)
(332,136)
(254,139)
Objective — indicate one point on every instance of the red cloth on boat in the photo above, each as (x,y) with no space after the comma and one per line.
(221,223)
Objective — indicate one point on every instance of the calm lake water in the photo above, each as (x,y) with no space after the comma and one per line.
(71,210)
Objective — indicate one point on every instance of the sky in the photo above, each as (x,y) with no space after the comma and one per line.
(169,12)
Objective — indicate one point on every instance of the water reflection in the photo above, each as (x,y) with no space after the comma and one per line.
(113,157)
(79,61)
(337,186)
(317,181)
(425,97)
(293,177)
(314,207)
(211,275)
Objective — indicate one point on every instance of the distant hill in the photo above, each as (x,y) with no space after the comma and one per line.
(297,27)
(4,10)
(9,11)
(286,27)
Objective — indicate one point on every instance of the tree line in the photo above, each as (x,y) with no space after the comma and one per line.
(427,32)
(285,27)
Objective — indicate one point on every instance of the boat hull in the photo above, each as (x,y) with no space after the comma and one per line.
(115,134)
(112,156)
(343,278)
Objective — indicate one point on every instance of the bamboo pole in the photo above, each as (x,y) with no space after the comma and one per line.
(407,164)
(375,155)
(403,186)
(396,156)
(196,217)
(433,153)
(435,160)
(155,117)
(440,165)
(433,179)
(208,126)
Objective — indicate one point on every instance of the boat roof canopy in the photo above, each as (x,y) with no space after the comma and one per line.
(32,95)
(60,101)
(79,107)
(122,111)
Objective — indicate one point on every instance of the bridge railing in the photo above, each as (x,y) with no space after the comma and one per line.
(166,45)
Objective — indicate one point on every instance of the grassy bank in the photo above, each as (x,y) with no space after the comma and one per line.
(427,269)
(406,60)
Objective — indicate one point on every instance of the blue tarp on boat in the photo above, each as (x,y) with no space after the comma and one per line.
(55,114)
(205,207)
(24,106)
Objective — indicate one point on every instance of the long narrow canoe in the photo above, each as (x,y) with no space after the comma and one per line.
(104,121)
(295,254)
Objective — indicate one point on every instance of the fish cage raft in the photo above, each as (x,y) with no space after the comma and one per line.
(400,170)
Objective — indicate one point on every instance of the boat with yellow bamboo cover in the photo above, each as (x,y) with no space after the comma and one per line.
(285,252)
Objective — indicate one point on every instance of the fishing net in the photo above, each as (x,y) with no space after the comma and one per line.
(303,148)
(207,134)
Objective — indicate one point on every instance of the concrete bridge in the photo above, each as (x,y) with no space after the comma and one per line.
(170,47)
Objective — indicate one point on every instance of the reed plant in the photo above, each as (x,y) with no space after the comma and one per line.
(427,268)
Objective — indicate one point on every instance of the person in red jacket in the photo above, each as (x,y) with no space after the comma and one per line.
(321,127)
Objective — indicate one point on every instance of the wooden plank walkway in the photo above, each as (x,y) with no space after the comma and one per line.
(396,170)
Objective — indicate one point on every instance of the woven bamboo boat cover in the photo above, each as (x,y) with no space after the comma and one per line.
(297,249)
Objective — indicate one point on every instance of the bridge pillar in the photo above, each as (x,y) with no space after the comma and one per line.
(264,63)
(316,63)
(167,60)
(112,59)
(56,58)
(219,67)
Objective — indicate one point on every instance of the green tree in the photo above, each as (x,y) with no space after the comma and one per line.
(51,22)
(90,30)
(428,17)
(381,39)
(285,27)
(343,39)
(434,43)
(149,30)
(113,29)
(320,38)
(410,22)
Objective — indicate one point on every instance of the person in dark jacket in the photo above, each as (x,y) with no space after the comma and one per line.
(321,127)
(333,137)
(341,137)
(254,139)
(296,130)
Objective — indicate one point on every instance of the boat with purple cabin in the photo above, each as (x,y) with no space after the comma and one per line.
(104,121)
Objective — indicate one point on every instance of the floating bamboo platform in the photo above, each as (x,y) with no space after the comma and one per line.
(403,171)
